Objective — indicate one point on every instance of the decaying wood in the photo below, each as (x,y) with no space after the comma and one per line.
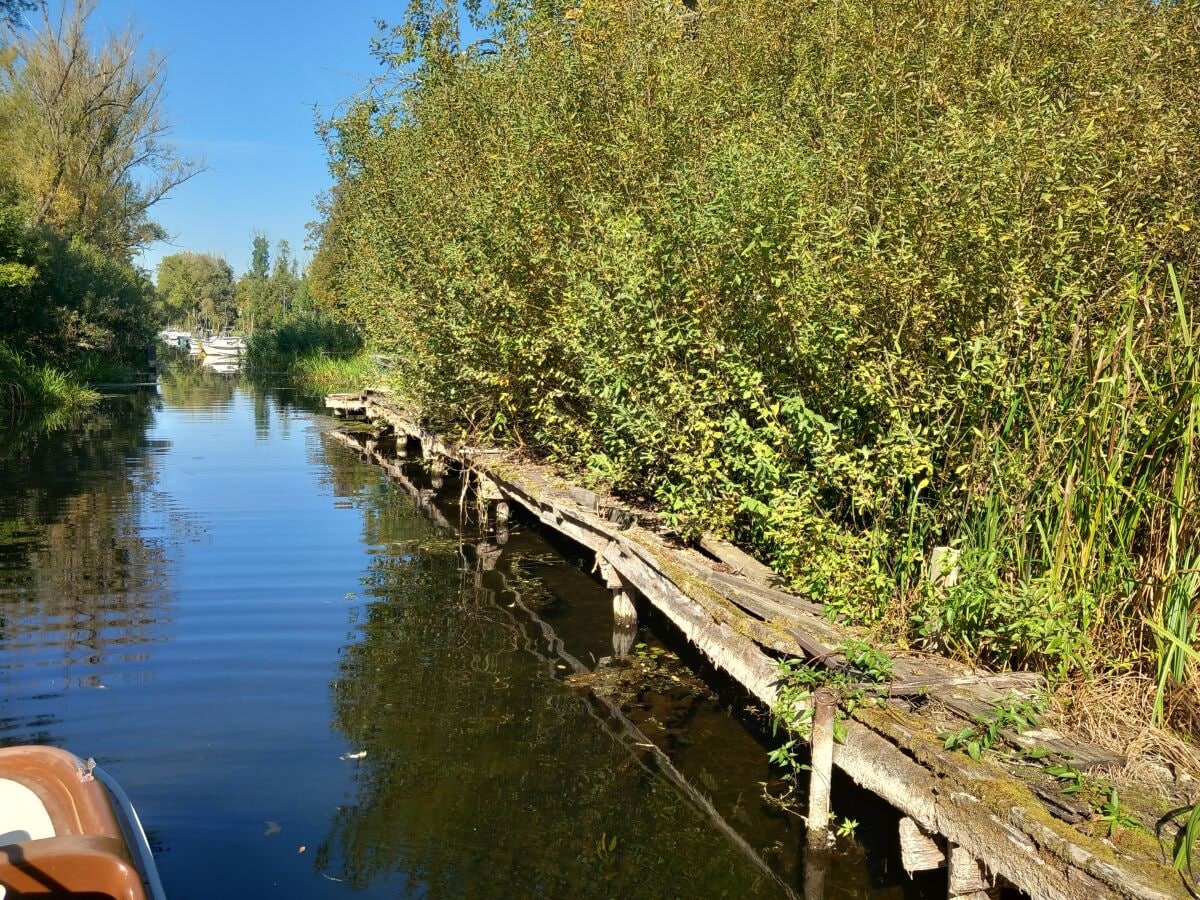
(919,850)
(967,879)
(740,561)
(989,814)
(820,782)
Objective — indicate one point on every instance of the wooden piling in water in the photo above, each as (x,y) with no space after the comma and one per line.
(967,879)
(625,618)
(820,782)
(919,851)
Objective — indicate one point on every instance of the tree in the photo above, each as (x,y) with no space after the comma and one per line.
(196,289)
(285,281)
(260,256)
(252,288)
(10,12)
(266,295)
(86,131)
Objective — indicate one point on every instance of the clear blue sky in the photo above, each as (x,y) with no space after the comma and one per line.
(241,85)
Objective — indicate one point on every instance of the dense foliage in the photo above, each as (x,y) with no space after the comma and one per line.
(846,281)
(62,297)
(82,160)
(271,293)
(308,334)
(195,289)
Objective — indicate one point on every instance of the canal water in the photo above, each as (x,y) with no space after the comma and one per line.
(314,685)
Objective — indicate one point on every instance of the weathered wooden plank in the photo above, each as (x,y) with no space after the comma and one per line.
(784,599)
(919,850)
(741,562)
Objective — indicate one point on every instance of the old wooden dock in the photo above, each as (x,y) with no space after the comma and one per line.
(989,822)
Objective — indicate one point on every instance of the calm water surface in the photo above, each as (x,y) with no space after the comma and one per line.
(202,590)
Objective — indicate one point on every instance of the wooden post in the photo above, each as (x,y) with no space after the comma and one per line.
(625,618)
(967,880)
(502,512)
(819,783)
(943,567)
(918,850)
(816,871)
(625,622)
(623,637)
(624,612)
(488,555)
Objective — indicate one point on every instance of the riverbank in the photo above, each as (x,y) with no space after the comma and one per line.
(24,383)
(1085,827)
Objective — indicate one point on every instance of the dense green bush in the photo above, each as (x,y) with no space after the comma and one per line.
(62,298)
(844,281)
(302,335)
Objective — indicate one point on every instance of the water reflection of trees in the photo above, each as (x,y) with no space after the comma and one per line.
(484,776)
(81,587)
(187,385)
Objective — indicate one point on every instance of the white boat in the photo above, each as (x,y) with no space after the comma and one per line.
(224,345)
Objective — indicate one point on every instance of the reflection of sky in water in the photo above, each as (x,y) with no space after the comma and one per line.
(218,604)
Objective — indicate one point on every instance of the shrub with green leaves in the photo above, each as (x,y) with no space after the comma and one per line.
(841,281)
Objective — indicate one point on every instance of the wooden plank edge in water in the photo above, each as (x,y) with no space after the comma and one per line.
(976,806)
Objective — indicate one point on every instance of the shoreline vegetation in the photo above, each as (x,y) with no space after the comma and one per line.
(29,384)
(842,284)
(83,159)
(318,351)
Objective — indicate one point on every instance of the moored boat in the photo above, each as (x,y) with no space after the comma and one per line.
(67,829)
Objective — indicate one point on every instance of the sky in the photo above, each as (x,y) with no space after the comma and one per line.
(242,82)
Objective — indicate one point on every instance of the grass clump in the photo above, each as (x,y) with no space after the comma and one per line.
(842,282)
(319,350)
(301,336)
(332,374)
(26,383)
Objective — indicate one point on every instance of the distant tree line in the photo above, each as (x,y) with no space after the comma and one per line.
(198,290)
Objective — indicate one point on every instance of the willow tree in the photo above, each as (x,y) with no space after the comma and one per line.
(83,158)
(86,136)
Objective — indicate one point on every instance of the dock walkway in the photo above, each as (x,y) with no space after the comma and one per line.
(990,822)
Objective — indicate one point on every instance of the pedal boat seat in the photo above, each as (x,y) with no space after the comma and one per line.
(58,834)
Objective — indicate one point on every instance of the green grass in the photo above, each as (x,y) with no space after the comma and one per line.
(331,374)
(26,383)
